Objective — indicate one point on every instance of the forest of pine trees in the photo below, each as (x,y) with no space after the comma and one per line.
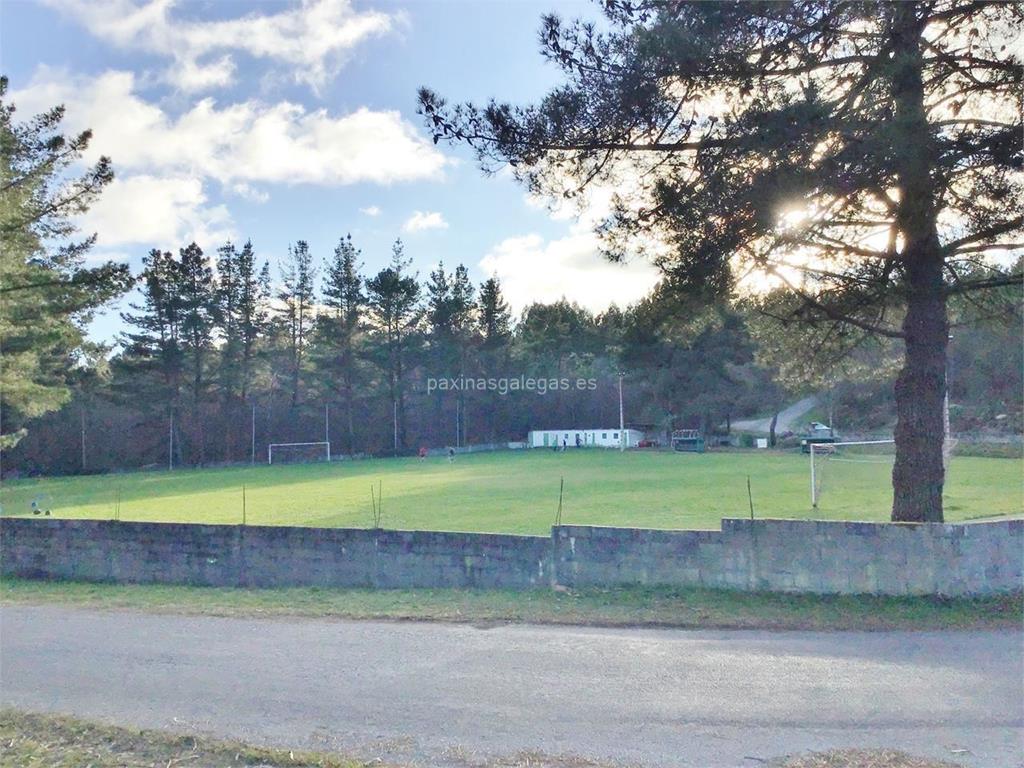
(222,356)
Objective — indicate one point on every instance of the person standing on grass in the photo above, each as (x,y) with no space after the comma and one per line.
(451,455)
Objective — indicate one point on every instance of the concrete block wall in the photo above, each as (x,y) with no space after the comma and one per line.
(269,556)
(777,555)
(822,557)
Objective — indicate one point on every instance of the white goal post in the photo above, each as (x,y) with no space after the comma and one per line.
(326,447)
(858,451)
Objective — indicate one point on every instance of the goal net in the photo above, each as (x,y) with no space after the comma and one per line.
(297,453)
(852,464)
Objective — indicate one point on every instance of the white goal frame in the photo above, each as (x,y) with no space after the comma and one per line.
(830,448)
(271,446)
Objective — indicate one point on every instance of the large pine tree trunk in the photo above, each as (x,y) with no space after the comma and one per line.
(918,474)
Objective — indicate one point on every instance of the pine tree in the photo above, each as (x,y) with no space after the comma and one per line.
(339,330)
(298,297)
(46,294)
(253,315)
(156,345)
(866,155)
(393,300)
(227,293)
(495,318)
(442,349)
(241,299)
(465,338)
(198,306)
(439,305)
(494,325)
(152,363)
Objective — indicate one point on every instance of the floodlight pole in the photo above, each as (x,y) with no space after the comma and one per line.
(254,434)
(170,443)
(622,423)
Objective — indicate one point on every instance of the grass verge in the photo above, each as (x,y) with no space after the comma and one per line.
(55,741)
(654,607)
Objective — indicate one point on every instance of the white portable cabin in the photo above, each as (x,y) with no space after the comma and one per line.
(589,438)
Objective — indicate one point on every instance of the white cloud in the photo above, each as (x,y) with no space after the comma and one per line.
(421,220)
(249,192)
(313,39)
(248,141)
(193,76)
(161,212)
(372,210)
(532,269)
(587,209)
(166,163)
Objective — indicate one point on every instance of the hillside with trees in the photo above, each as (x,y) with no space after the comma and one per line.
(217,345)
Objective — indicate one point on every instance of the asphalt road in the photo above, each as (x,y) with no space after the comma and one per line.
(438,694)
(788,418)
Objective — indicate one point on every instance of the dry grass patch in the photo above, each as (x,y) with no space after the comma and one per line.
(56,741)
(53,741)
(860,758)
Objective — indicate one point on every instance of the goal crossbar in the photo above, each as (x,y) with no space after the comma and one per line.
(272,446)
(830,448)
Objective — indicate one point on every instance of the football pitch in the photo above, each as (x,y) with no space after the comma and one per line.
(513,492)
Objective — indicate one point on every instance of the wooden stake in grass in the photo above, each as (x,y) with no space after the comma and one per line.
(561,488)
(117,505)
(750,498)
(375,503)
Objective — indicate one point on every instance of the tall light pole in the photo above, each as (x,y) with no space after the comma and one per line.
(622,422)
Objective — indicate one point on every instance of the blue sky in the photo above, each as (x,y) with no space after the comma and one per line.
(280,121)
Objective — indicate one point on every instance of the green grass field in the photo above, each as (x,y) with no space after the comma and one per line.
(515,492)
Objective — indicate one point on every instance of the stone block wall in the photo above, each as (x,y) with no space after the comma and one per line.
(775,555)
(800,556)
(269,556)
